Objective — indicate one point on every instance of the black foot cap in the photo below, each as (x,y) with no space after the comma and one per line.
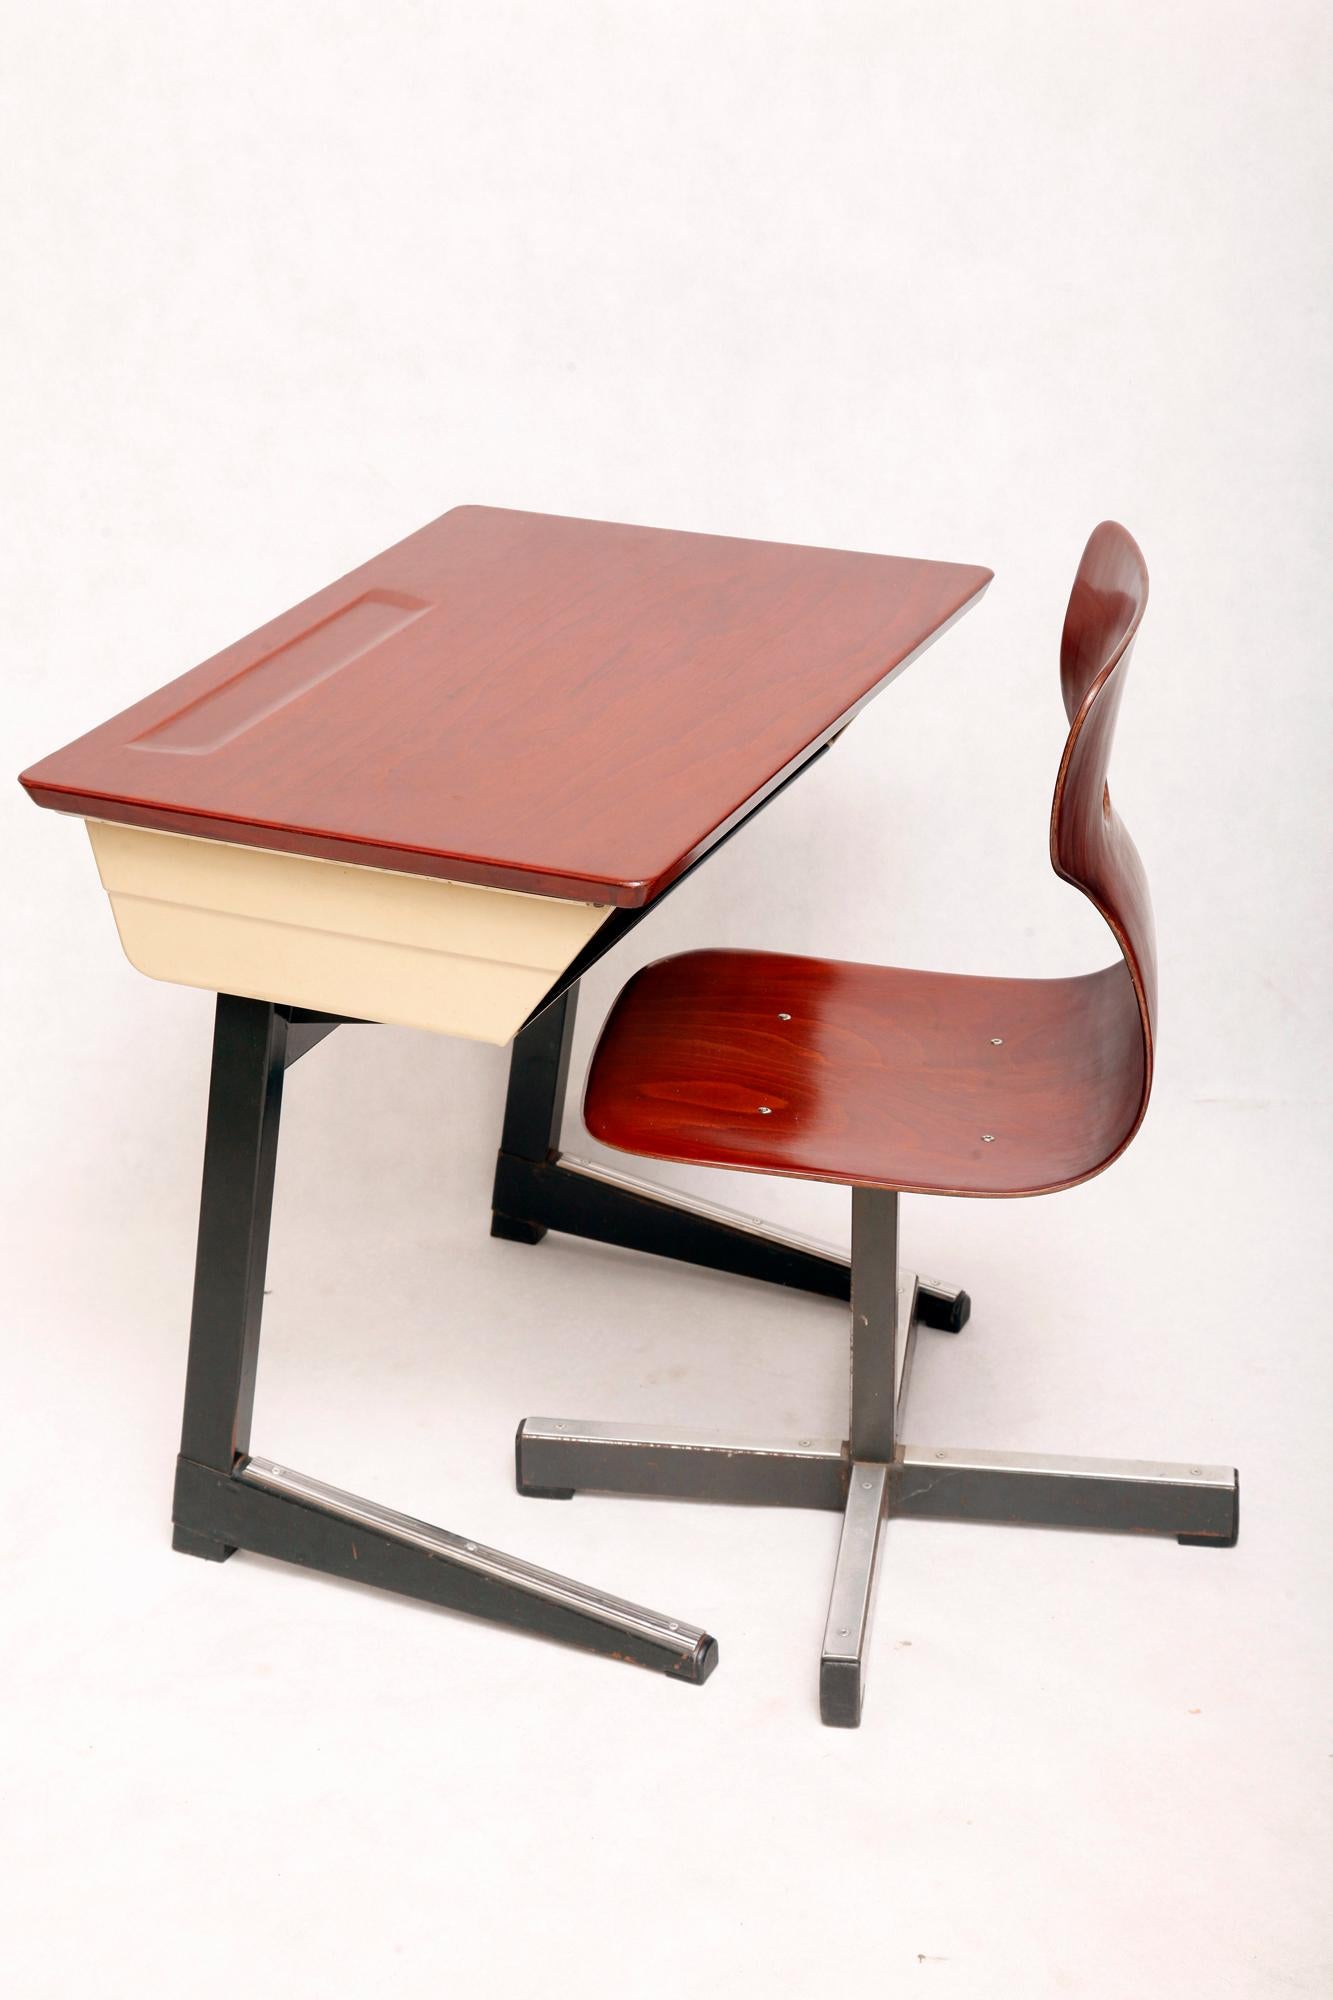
(841,1694)
(187,1543)
(529,1491)
(1217,1541)
(695,1668)
(513,1231)
(948,1315)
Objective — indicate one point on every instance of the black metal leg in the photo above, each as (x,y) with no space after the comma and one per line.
(534,1106)
(240,1154)
(226,1499)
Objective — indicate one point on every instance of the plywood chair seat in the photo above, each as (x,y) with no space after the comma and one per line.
(871,1076)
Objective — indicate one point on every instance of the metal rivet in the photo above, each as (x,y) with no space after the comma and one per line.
(988,1138)
(997,1041)
(766,1111)
(843,1631)
(1195,1470)
(471,1548)
(939,1454)
(784,1017)
(866,1484)
(674,1626)
(277,1470)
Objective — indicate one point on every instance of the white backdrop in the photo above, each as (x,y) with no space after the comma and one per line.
(281,284)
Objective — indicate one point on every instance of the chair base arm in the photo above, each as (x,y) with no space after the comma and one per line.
(1199,1504)
(556,1456)
(842,1661)
(1195,1503)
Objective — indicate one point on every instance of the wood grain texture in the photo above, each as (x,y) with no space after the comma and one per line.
(1090,845)
(571,708)
(920,1081)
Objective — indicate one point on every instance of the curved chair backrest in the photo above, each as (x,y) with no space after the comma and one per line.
(1089,844)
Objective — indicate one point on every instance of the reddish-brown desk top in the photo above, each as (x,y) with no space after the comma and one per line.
(574,708)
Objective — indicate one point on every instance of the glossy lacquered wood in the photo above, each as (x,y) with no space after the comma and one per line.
(1090,845)
(920,1081)
(571,708)
(880,1077)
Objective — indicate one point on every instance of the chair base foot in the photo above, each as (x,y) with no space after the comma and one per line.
(841,1694)
(1221,1541)
(1196,1505)
(941,1307)
(527,1487)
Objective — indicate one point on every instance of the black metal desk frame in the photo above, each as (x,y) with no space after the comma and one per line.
(227,1498)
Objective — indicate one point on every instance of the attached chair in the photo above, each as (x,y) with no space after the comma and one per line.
(898,1082)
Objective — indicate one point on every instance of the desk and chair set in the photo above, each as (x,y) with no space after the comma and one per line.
(439,791)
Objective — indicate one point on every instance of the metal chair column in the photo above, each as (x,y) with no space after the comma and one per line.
(872,1432)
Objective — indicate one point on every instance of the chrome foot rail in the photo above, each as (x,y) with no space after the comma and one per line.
(272,1510)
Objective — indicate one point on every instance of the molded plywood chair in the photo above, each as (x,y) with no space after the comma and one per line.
(898,1082)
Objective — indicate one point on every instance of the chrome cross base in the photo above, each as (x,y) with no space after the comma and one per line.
(872,1474)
